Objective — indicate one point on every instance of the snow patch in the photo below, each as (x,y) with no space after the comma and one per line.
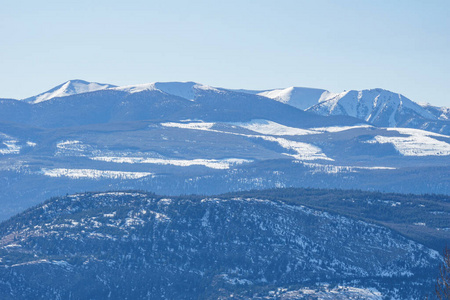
(11,147)
(72,148)
(340,128)
(332,169)
(92,173)
(136,88)
(327,293)
(417,132)
(418,143)
(209,163)
(273,128)
(281,95)
(195,125)
(304,151)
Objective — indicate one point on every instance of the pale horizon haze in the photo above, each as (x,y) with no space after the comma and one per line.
(402,46)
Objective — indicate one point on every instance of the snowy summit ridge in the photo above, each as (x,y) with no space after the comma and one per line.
(376,106)
(185,90)
(68,88)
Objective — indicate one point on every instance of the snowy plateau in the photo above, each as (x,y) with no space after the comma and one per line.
(184,138)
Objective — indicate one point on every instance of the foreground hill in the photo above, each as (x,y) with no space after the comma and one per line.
(136,245)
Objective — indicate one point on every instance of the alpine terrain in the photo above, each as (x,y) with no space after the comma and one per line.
(179,190)
(185,137)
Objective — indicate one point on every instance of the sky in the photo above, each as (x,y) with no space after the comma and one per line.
(401,45)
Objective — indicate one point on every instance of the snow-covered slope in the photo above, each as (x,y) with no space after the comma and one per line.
(442,113)
(377,106)
(71,87)
(299,97)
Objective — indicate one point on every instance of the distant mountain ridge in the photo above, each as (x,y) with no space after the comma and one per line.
(185,90)
(381,108)
(78,102)
(375,106)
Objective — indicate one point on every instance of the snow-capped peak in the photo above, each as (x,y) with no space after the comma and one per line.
(281,95)
(68,88)
(298,97)
(187,90)
(136,88)
(377,106)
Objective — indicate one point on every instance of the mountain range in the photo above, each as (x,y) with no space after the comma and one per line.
(376,106)
(300,193)
(185,137)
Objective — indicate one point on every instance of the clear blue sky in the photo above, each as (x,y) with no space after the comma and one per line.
(400,45)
